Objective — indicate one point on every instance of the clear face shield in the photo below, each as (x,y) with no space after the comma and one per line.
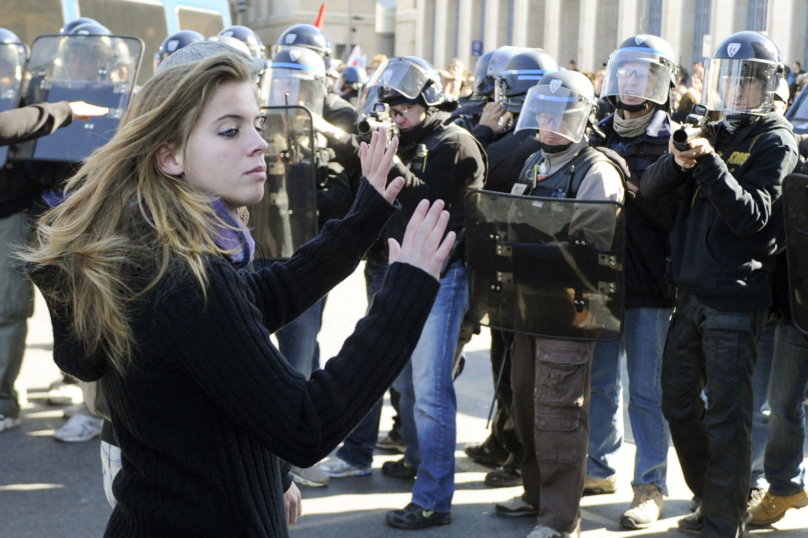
(12,62)
(635,76)
(293,87)
(562,112)
(403,77)
(739,86)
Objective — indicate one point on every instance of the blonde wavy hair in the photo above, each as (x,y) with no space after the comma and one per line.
(124,213)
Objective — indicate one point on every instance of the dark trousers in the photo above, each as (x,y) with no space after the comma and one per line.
(503,428)
(551,389)
(719,349)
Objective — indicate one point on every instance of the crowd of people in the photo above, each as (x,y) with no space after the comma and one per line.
(172,252)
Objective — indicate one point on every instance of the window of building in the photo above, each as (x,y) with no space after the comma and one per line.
(757,15)
(32,18)
(654,21)
(701,27)
(207,23)
(126,17)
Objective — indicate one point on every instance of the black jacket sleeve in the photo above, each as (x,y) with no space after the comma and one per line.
(33,121)
(662,178)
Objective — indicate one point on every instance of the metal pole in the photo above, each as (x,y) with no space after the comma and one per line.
(350,27)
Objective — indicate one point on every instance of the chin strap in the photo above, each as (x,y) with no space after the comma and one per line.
(631,108)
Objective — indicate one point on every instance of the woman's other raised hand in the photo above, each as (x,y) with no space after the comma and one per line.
(422,245)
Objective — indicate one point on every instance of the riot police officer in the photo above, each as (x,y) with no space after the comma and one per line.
(438,160)
(722,248)
(507,151)
(471,108)
(639,77)
(337,110)
(552,423)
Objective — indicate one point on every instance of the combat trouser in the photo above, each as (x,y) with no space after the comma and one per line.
(16,306)
(551,385)
(706,346)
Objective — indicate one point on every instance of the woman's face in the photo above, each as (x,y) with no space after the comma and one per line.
(225,150)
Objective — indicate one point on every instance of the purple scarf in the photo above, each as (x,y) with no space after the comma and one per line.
(229,239)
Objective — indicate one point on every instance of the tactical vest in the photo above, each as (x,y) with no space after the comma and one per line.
(639,153)
(563,183)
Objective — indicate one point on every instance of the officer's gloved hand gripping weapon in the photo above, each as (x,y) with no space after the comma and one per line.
(695,126)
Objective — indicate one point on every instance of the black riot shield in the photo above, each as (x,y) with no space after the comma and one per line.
(287,215)
(12,64)
(795,201)
(99,70)
(546,267)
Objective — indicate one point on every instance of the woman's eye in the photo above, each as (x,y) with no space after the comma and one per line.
(230,133)
(260,128)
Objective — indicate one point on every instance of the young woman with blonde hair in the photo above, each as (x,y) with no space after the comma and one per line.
(140,267)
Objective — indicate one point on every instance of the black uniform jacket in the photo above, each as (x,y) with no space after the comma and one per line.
(724,240)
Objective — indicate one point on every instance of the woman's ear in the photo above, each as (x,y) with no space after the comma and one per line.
(170,161)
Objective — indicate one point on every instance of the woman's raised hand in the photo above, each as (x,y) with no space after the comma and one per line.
(422,245)
(376,162)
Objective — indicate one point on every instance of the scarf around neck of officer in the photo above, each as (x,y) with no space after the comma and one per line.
(634,127)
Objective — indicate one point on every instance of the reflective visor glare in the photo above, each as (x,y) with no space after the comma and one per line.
(403,77)
(739,86)
(561,112)
(636,76)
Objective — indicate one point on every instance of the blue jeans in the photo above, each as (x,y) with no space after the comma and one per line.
(357,449)
(428,402)
(785,468)
(641,345)
(760,403)
(297,341)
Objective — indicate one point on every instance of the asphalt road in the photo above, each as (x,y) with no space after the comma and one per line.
(51,489)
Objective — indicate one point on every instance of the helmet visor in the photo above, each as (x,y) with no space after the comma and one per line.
(293,87)
(739,86)
(635,76)
(562,112)
(403,77)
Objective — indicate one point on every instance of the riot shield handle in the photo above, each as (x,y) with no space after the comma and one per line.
(505,356)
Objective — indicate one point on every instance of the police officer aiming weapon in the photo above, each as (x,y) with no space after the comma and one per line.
(695,126)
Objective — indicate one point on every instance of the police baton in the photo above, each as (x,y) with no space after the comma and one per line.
(455,254)
(505,356)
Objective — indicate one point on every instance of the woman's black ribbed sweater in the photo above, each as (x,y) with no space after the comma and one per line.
(208,404)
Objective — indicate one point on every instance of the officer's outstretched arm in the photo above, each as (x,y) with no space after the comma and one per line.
(33,121)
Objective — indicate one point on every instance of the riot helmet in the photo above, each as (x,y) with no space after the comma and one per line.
(90,28)
(410,79)
(523,71)
(496,66)
(66,29)
(641,71)
(306,36)
(175,42)
(483,84)
(742,77)
(231,42)
(354,76)
(296,77)
(562,103)
(249,38)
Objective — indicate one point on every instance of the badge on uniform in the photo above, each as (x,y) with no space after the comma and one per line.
(519,188)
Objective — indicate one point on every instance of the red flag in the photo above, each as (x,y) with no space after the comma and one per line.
(320,18)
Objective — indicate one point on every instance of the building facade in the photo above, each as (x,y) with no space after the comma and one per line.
(585,31)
